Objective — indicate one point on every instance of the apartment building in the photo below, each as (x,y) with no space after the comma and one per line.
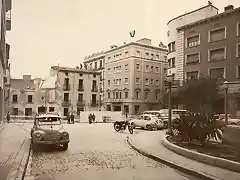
(5,16)
(96,62)
(211,47)
(134,76)
(78,89)
(176,37)
(23,99)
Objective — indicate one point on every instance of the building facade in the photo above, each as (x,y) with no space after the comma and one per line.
(134,75)
(95,62)
(212,48)
(5,16)
(23,99)
(176,38)
(78,89)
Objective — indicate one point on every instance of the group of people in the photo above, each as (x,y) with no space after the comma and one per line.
(91,118)
(70,118)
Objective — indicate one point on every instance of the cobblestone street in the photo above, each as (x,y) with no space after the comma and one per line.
(96,151)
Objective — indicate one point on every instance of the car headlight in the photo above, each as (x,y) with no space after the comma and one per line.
(65,134)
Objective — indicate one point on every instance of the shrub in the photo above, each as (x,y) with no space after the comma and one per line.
(198,127)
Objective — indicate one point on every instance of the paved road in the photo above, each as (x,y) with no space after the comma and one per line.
(96,151)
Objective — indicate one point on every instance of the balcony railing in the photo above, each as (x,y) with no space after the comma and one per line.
(66,87)
(80,103)
(30,102)
(66,103)
(101,90)
(80,88)
(94,89)
(94,103)
(14,102)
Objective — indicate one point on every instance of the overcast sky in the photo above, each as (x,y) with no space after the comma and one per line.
(51,32)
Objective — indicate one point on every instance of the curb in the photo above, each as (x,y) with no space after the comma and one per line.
(213,161)
(168,163)
(27,175)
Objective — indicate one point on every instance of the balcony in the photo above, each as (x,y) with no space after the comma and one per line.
(94,89)
(81,88)
(66,103)
(80,103)
(115,100)
(66,87)
(30,102)
(8,21)
(8,4)
(101,90)
(14,102)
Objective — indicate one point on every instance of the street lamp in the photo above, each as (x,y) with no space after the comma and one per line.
(169,81)
(225,87)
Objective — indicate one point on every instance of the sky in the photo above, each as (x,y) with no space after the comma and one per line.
(62,32)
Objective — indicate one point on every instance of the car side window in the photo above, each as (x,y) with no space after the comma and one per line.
(147,118)
(140,117)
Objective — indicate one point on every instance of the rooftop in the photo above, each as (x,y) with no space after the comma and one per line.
(209,4)
(76,70)
(23,84)
(225,13)
(98,54)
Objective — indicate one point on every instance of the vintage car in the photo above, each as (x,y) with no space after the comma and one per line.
(48,130)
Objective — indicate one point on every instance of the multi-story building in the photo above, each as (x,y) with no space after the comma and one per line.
(211,47)
(23,99)
(134,76)
(96,62)
(78,89)
(5,16)
(176,37)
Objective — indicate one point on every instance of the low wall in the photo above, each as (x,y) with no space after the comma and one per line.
(231,135)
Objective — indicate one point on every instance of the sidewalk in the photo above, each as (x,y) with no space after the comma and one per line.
(14,150)
(152,147)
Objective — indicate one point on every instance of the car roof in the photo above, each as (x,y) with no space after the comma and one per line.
(150,115)
(47,115)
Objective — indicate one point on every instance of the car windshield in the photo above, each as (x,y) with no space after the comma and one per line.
(49,121)
(154,117)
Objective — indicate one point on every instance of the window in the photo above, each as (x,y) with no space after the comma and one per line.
(147,68)
(152,56)
(117,95)
(109,70)
(138,67)
(51,109)
(157,69)
(151,69)
(192,58)
(152,81)
(109,95)
(217,34)
(80,97)
(238,29)
(192,75)
(147,55)
(168,33)
(137,80)
(126,53)
(137,95)
(126,94)
(147,81)
(117,69)
(217,54)
(109,57)
(94,75)
(171,63)
(138,53)
(146,95)
(238,71)
(126,81)
(157,82)
(101,65)
(193,41)
(238,50)
(157,95)
(109,82)
(126,67)
(30,100)
(165,70)
(95,66)
(14,98)
(171,47)
(217,73)
(157,57)
(15,111)
(80,84)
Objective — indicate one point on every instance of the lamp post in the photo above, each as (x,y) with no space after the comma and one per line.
(169,81)
(225,87)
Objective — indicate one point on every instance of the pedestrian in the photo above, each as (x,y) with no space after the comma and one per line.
(126,115)
(90,118)
(68,118)
(72,118)
(8,117)
(93,117)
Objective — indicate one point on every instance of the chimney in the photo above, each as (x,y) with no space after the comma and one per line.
(228,8)
(209,3)
(27,77)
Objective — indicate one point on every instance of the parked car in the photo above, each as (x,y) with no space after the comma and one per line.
(147,121)
(231,121)
(48,130)
(163,114)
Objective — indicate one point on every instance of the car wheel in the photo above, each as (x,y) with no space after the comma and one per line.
(165,125)
(65,147)
(149,127)
(133,125)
